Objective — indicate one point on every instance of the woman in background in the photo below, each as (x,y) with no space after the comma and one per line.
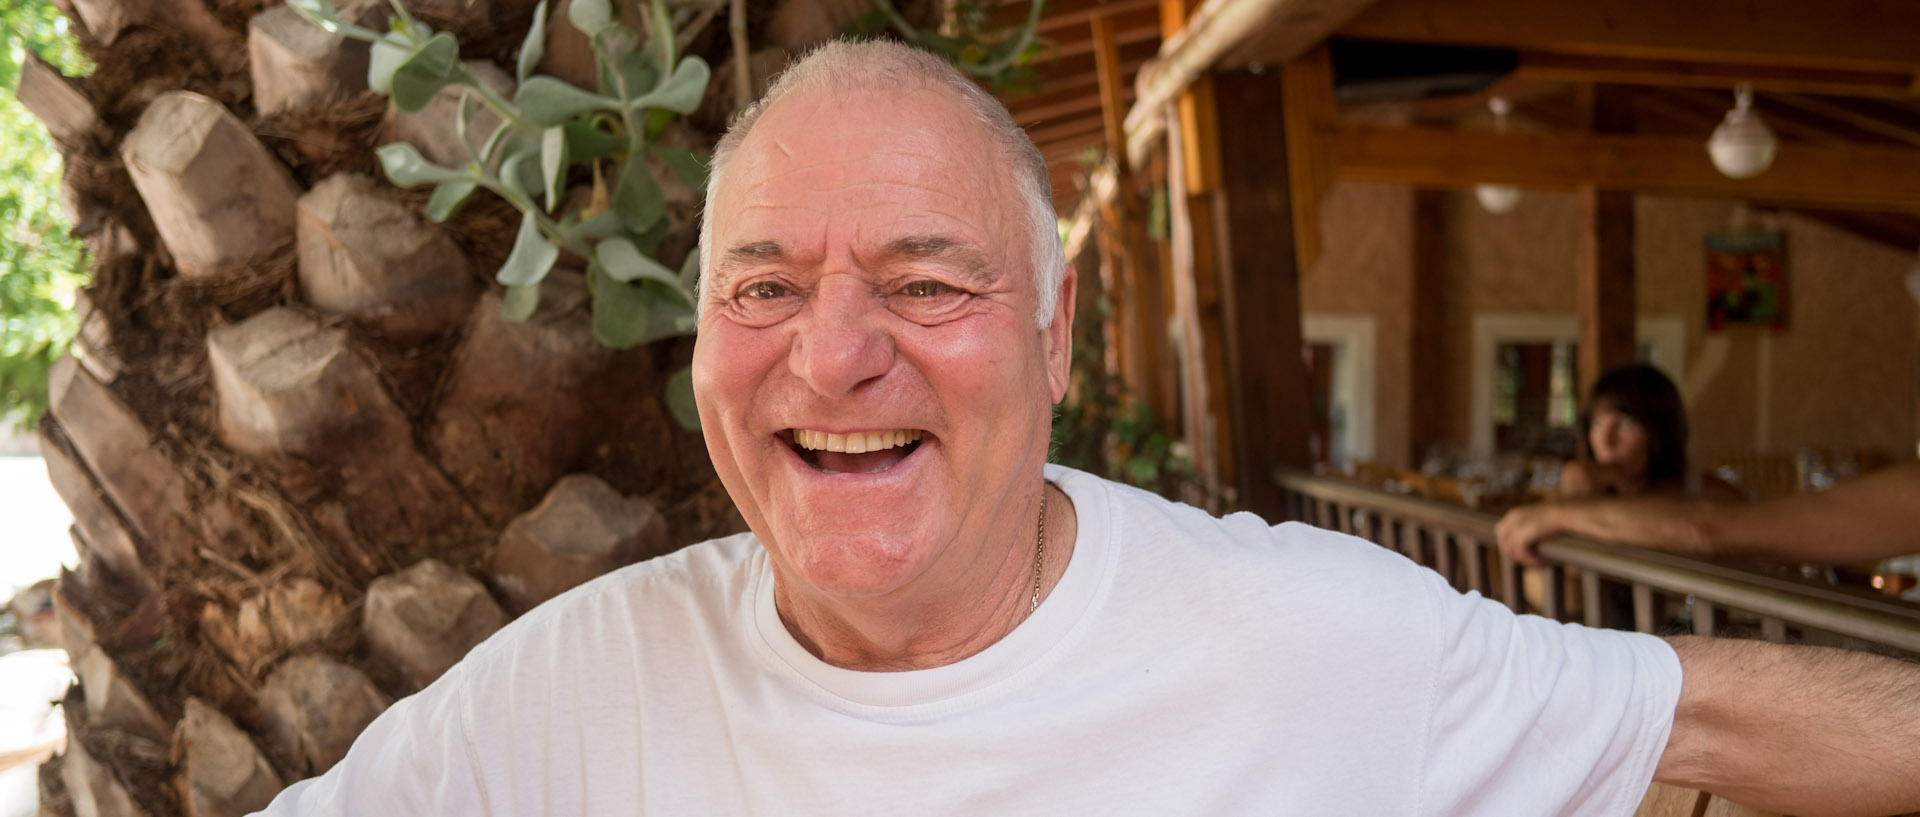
(1633,442)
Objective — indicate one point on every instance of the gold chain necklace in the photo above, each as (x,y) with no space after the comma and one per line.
(1039,549)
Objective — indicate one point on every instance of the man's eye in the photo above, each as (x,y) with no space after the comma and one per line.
(764,290)
(926,289)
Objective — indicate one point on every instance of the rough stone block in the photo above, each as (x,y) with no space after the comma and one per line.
(47,93)
(297,614)
(288,384)
(296,64)
(100,526)
(423,619)
(364,255)
(93,345)
(92,788)
(291,617)
(224,774)
(76,629)
(434,129)
(520,400)
(120,453)
(218,198)
(314,708)
(113,701)
(582,529)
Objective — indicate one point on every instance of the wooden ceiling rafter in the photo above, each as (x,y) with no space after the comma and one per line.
(1852,177)
(1615,70)
(1856,35)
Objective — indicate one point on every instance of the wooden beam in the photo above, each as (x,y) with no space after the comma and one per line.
(1193,182)
(1066,130)
(1113,88)
(1260,294)
(1308,109)
(1088,101)
(1856,34)
(1126,33)
(1427,381)
(1864,122)
(1216,28)
(1859,178)
(1604,70)
(1604,270)
(1065,16)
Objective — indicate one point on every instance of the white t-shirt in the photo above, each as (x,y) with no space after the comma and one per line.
(1183,665)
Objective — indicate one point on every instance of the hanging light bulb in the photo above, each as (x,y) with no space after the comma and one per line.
(1743,146)
(1498,198)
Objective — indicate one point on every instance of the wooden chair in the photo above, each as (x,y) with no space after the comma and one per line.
(1672,801)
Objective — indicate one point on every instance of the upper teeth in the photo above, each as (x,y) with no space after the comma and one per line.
(858,442)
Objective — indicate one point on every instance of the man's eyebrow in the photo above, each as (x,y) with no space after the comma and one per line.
(746,255)
(941,248)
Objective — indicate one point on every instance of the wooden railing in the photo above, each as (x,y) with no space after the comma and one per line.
(1606,585)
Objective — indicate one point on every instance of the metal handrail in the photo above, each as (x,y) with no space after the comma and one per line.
(1842,611)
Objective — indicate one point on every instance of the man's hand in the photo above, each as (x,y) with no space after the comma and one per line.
(1810,731)
(1522,528)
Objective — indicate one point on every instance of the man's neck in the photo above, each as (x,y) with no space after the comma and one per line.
(902,632)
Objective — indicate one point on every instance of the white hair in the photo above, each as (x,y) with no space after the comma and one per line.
(847,65)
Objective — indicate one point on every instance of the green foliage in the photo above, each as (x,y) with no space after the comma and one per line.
(41,264)
(547,130)
(1099,428)
(971,39)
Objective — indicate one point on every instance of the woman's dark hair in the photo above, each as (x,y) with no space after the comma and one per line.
(1643,393)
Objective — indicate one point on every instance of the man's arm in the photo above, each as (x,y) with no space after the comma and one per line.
(1863,520)
(1810,731)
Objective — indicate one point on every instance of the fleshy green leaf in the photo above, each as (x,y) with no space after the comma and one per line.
(586,142)
(590,15)
(639,72)
(601,226)
(383,59)
(680,402)
(531,257)
(625,263)
(322,14)
(447,199)
(519,175)
(546,101)
(637,196)
(660,39)
(553,163)
(428,69)
(690,271)
(405,167)
(620,310)
(520,302)
(691,169)
(534,46)
(681,92)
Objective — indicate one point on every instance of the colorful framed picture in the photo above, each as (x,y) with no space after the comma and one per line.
(1746,280)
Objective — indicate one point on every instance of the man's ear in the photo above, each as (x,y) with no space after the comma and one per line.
(1059,336)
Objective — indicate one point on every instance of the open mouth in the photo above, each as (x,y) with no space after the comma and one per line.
(858,452)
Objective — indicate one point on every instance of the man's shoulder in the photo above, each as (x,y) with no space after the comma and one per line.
(703,581)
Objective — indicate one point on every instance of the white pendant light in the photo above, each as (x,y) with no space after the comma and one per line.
(1743,146)
(1498,198)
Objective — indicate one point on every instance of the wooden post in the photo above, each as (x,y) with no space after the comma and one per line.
(1426,359)
(1142,354)
(1260,291)
(1194,184)
(1310,122)
(1606,282)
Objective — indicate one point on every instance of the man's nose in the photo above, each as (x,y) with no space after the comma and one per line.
(842,344)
